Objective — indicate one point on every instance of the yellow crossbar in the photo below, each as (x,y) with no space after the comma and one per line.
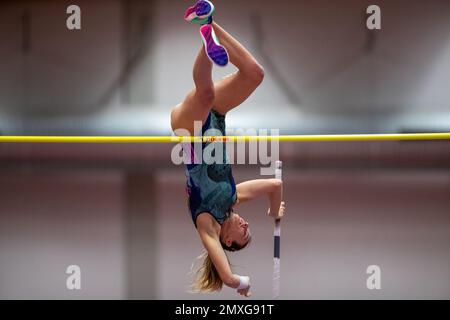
(176,139)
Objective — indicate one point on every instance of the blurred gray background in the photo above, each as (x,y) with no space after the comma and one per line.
(119,211)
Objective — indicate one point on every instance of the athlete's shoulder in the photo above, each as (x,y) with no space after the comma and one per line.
(206,224)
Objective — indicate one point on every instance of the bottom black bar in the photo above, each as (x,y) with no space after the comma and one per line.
(226,309)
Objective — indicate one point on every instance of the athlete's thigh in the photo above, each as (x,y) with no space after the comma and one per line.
(231,91)
(185,114)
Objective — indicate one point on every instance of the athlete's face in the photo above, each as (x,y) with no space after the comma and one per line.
(239,231)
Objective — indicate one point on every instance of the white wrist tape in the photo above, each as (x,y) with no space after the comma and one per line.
(244,282)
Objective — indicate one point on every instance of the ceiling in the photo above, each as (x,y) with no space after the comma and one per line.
(325,72)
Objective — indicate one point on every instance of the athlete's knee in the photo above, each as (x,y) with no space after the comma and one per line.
(205,96)
(255,72)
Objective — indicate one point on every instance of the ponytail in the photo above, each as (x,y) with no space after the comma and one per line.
(207,278)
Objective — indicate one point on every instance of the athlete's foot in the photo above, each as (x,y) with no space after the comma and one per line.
(214,50)
(208,20)
(200,12)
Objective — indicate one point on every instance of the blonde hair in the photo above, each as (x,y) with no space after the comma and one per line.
(207,278)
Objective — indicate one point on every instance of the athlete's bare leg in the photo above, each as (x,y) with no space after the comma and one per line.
(224,95)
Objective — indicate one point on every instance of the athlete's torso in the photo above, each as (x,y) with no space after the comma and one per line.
(210,184)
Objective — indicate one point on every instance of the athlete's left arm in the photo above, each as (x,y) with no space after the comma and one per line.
(252,189)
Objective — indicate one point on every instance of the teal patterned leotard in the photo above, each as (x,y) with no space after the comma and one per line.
(210,187)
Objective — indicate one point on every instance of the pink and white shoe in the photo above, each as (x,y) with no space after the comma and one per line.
(214,50)
(202,10)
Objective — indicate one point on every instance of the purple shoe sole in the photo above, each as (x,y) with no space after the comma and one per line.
(216,52)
